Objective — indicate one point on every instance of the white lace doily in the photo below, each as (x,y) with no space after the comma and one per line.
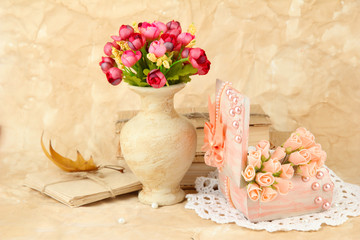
(209,203)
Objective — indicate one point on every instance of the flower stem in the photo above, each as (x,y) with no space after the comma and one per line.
(179,61)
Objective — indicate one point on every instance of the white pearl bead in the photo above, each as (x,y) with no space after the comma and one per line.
(121,220)
(315,186)
(154,205)
(305,179)
(232,112)
(319,175)
(318,200)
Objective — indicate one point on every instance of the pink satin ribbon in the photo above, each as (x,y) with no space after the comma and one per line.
(214,139)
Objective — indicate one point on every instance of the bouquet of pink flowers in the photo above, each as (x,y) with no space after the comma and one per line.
(268,174)
(153,54)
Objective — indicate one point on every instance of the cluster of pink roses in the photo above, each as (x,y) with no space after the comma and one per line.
(268,174)
(153,54)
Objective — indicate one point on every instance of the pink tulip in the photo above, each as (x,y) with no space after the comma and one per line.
(108,47)
(157,48)
(106,64)
(185,38)
(185,52)
(160,26)
(150,31)
(129,58)
(198,59)
(136,41)
(124,33)
(156,79)
(173,28)
(114,76)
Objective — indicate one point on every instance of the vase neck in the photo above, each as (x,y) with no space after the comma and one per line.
(155,103)
(158,100)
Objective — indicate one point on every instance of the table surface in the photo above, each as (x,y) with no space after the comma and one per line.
(27,214)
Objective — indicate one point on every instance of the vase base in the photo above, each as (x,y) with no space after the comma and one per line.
(161,198)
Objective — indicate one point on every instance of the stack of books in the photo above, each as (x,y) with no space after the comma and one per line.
(259,130)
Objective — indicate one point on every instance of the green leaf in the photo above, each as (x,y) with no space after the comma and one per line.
(188,69)
(172,73)
(184,79)
(135,81)
(179,72)
(277,174)
(146,71)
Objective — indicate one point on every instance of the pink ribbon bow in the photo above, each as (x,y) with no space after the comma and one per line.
(214,139)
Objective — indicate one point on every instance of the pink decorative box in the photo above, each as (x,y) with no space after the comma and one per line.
(226,142)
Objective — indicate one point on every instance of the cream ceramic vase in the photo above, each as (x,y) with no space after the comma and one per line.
(159,145)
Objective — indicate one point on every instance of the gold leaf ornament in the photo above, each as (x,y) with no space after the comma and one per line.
(66,164)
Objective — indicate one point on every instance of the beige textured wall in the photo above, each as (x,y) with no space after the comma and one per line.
(299,59)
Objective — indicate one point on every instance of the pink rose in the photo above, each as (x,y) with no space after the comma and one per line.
(198,59)
(283,186)
(129,58)
(114,76)
(124,33)
(272,165)
(287,171)
(106,64)
(279,153)
(161,26)
(293,142)
(157,48)
(318,156)
(108,47)
(264,179)
(268,194)
(307,138)
(248,173)
(253,191)
(185,38)
(315,152)
(156,78)
(264,146)
(254,158)
(169,41)
(300,157)
(307,170)
(173,27)
(150,31)
(136,41)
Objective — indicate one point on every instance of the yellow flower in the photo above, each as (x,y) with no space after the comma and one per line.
(135,26)
(123,45)
(191,44)
(117,55)
(166,64)
(159,62)
(151,57)
(192,29)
